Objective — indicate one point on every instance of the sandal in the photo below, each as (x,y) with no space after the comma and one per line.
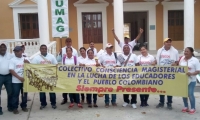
(79,105)
(95,105)
(71,105)
(90,105)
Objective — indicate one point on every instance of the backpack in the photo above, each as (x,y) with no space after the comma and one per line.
(75,60)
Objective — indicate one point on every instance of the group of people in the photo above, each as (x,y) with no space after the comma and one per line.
(12,69)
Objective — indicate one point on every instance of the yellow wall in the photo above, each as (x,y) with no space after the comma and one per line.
(159,25)
(197,25)
(6,20)
(7,26)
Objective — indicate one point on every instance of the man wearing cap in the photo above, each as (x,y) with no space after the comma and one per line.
(109,59)
(62,53)
(127,41)
(45,58)
(167,56)
(5,76)
(16,67)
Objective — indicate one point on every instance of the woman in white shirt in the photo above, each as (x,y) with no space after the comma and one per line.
(193,69)
(69,59)
(81,58)
(91,61)
(145,59)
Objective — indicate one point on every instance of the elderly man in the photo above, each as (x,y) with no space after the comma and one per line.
(167,56)
(5,76)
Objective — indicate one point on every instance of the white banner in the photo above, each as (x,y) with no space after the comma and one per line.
(60,22)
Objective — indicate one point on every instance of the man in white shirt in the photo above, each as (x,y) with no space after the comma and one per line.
(16,68)
(130,60)
(5,76)
(109,59)
(167,56)
(45,58)
(93,48)
(127,41)
(68,43)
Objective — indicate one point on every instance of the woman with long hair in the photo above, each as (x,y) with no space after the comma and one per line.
(193,69)
(145,59)
(69,59)
(81,58)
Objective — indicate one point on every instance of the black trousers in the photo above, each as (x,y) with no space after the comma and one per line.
(144,97)
(133,98)
(64,95)
(82,96)
(89,98)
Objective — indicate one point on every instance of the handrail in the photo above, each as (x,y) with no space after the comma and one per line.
(50,45)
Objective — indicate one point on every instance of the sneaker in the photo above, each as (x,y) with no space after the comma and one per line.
(54,106)
(80,106)
(106,105)
(1,113)
(184,110)
(71,105)
(146,104)
(125,104)
(41,107)
(63,102)
(15,111)
(169,106)
(142,104)
(25,109)
(134,106)
(160,105)
(192,111)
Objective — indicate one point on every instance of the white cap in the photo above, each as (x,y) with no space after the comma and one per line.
(108,45)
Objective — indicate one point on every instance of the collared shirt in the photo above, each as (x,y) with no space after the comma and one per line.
(48,59)
(146,60)
(89,62)
(81,60)
(4,63)
(193,66)
(130,44)
(132,60)
(95,51)
(70,61)
(108,60)
(17,64)
(74,53)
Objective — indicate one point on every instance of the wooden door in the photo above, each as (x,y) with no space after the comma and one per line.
(29,26)
(92,28)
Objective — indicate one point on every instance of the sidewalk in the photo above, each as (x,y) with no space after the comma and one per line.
(113,113)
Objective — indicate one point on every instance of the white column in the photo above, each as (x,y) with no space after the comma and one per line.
(188,23)
(118,22)
(43,21)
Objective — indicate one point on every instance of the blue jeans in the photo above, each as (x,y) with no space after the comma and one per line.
(43,98)
(107,101)
(191,87)
(74,98)
(17,88)
(6,80)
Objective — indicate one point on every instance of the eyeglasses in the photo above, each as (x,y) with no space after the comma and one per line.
(68,41)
